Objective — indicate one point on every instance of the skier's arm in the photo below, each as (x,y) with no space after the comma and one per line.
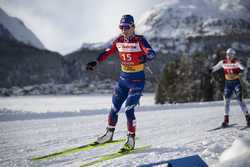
(147,49)
(218,66)
(240,66)
(108,52)
(103,56)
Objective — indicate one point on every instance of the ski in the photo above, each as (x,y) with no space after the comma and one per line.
(115,155)
(221,127)
(77,149)
(245,127)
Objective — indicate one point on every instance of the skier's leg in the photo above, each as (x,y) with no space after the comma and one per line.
(227,99)
(132,100)
(119,96)
(247,116)
(239,96)
(226,113)
(243,106)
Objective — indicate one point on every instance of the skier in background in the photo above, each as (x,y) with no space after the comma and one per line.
(232,69)
(134,51)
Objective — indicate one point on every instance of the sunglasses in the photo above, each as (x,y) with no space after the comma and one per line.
(125,27)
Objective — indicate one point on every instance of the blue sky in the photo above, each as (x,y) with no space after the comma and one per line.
(64,25)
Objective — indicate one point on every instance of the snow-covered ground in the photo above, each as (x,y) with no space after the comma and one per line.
(37,125)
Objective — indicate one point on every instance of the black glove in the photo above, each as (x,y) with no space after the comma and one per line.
(91,65)
(210,70)
(143,59)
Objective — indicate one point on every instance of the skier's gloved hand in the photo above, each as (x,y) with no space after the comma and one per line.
(142,59)
(91,65)
(241,71)
(210,70)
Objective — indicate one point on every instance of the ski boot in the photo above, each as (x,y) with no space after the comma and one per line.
(129,145)
(248,119)
(225,122)
(107,137)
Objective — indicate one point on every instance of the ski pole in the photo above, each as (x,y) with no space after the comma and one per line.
(157,80)
(151,72)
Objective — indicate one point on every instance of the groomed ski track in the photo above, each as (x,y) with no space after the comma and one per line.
(173,131)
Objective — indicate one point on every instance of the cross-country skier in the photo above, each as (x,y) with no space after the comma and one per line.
(134,51)
(232,68)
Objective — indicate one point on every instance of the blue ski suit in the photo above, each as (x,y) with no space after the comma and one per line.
(133,53)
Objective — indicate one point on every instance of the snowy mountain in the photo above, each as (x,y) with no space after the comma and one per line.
(94,46)
(39,125)
(22,64)
(179,25)
(16,29)
(173,26)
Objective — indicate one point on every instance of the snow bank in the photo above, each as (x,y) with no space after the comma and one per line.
(238,155)
(74,88)
(45,107)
